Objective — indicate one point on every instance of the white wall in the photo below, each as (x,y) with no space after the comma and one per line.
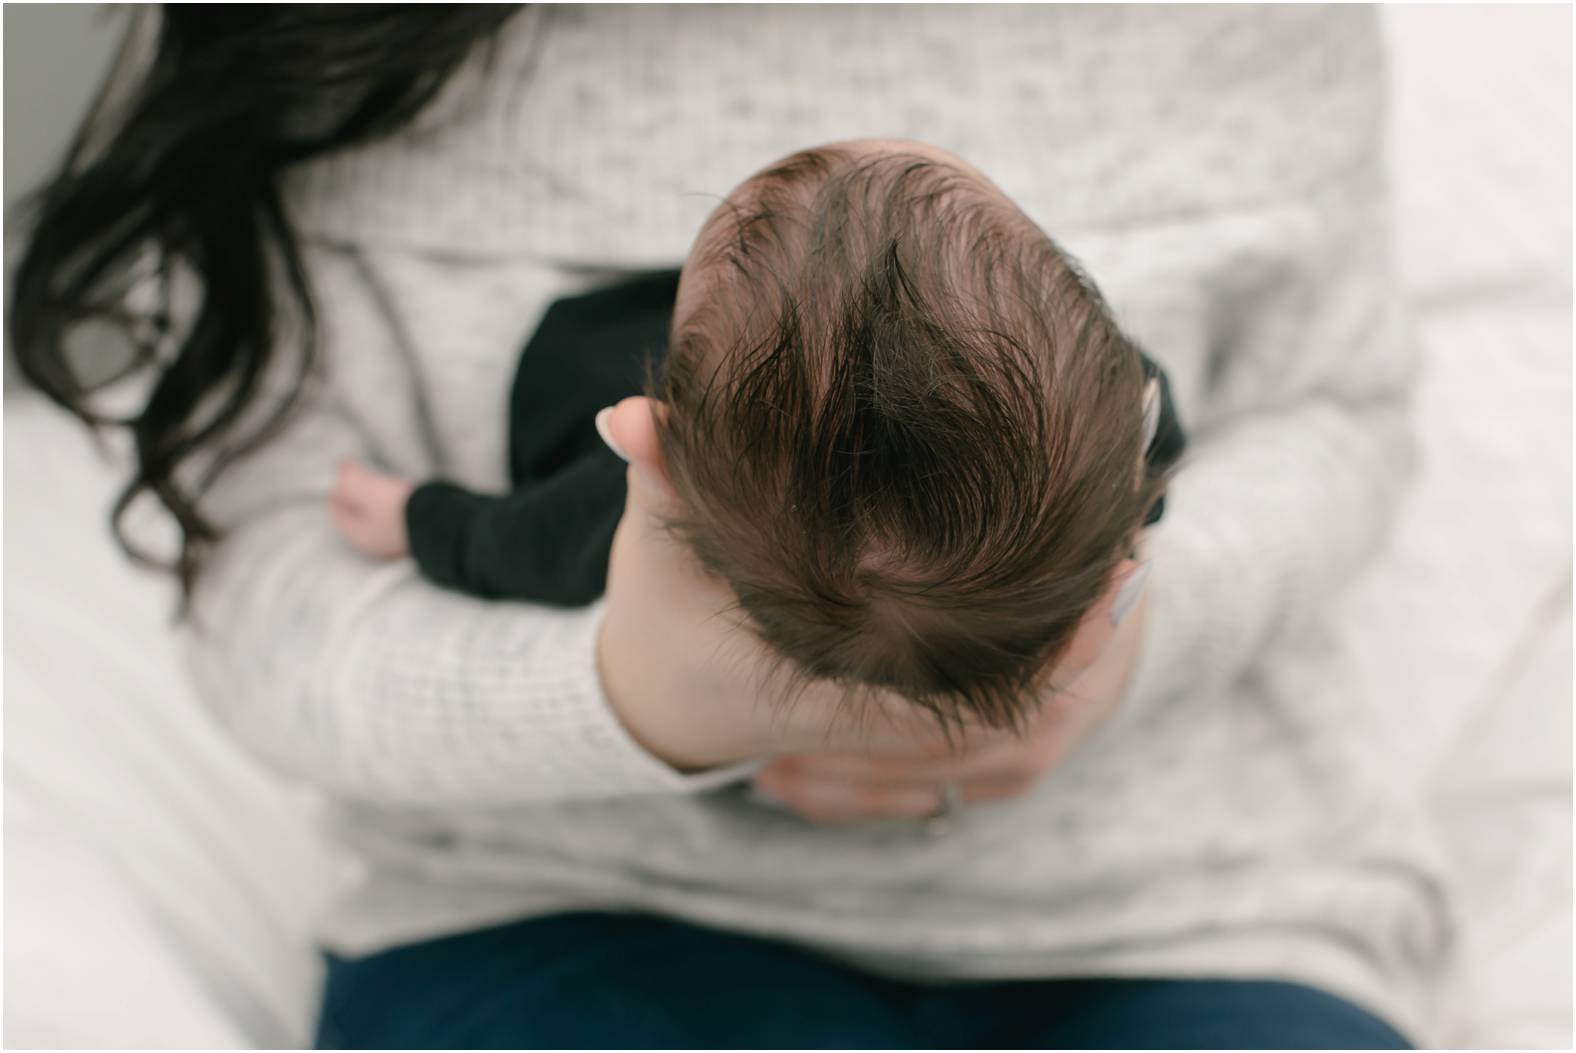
(55,56)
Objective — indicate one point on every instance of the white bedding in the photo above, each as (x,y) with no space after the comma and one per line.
(112,768)
(161,889)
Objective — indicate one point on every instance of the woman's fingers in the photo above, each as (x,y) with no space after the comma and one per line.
(828,800)
(929,772)
(823,798)
(847,787)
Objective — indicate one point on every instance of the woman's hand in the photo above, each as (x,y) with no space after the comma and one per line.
(987,765)
(678,663)
(368,509)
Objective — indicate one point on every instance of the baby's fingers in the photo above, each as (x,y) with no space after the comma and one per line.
(348,516)
(350,483)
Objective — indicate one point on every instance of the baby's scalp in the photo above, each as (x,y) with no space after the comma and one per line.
(903,425)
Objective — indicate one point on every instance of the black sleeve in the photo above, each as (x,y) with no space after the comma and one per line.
(547,542)
(589,351)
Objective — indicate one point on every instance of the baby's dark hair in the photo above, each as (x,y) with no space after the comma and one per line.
(905,429)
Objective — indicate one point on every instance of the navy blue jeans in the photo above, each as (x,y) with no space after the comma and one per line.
(634,981)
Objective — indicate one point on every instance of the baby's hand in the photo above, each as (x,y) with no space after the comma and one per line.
(368,508)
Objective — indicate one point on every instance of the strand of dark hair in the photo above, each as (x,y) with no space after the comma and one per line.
(184,171)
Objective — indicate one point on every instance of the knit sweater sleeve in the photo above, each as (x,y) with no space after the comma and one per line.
(1302,443)
(361,677)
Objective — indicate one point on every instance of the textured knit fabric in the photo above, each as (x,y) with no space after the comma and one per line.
(549,538)
(1218,168)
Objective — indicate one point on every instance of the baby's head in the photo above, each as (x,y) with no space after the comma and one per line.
(903,425)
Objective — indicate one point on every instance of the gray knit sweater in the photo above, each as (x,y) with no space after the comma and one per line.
(1218,172)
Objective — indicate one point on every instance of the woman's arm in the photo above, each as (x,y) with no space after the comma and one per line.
(358,676)
(1303,443)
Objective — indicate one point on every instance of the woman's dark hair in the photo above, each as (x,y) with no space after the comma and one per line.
(182,172)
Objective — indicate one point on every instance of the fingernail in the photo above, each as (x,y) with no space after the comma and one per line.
(607,436)
(1132,589)
(1151,412)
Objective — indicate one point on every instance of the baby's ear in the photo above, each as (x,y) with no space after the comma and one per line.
(630,430)
(1126,588)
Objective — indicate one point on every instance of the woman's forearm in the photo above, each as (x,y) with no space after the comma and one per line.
(363,679)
